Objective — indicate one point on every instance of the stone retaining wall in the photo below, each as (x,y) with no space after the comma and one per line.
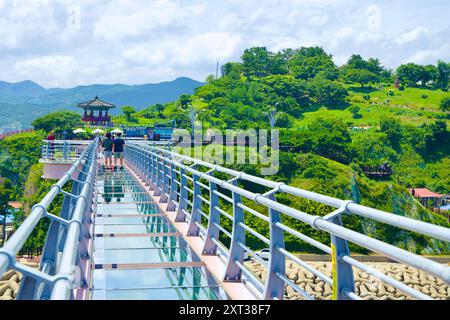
(367,286)
(10,281)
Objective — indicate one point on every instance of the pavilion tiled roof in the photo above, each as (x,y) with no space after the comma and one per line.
(425,193)
(96,103)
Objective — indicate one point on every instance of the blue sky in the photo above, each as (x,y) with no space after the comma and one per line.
(64,43)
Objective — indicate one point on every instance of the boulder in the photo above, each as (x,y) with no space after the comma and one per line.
(8,274)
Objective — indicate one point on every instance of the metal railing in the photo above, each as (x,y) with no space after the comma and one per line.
(63,150)
(65,260)
(215,210)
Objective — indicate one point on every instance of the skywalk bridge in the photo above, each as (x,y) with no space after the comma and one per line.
(172,227)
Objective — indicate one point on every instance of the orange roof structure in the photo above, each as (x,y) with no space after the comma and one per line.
(425,193)
(15,204)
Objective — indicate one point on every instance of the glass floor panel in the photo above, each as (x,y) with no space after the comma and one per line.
(146,219)
(152,278)
(154,255)
(120,197)
(181,293)
(134,228)
(138,242)
(126,208)
(128,211)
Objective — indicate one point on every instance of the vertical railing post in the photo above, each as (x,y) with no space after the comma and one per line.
(233,272)
(65,150)
(274,285)
(173,189)
(342,273)
(196,216)
(210,247)
(158,191)
(182,204)
(165,182)
(47,153)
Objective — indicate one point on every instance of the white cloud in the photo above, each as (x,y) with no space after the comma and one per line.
(412,35)
(71,42)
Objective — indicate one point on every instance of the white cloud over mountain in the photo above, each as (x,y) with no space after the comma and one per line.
(72,42)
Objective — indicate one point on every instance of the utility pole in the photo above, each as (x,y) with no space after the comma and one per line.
(217,69)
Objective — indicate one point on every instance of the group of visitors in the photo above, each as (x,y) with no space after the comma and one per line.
(113,146)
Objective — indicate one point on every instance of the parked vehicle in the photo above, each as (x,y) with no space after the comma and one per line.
(264,254)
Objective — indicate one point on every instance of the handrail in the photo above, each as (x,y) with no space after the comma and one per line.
(148,160)
(56,275)
(63,150)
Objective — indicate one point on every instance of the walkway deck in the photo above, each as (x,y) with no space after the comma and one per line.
(138,254)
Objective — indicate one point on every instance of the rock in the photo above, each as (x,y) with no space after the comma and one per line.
(292,275)
(8,274)
(327,291)
(390,289)
(3,288)
(14,278)
(363,291)
(381,290)
(13,285)
(290,292)
(6,298)
(426,290)
(442,292)
(308,289)
(371,287)
(434,293)
(8,293)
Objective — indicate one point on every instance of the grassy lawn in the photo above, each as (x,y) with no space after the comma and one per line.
(410,97)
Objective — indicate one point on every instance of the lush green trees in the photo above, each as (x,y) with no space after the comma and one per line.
(361,76)
(411,74)
(60,121)
(445,104)
(306,63)
(128,111)
(5,196)
(443,75)
(259,62)
(17,154)
(393,130)
(327,93)
(329,137)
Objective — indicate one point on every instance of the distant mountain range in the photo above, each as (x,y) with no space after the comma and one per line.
(22,102)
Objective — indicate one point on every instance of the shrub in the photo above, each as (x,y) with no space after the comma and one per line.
(445,104)
(390,92)
(401,88)
(424,96)
(366,97)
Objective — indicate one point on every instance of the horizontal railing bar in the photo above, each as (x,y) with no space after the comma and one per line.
(255,280)
(400,285)
(290,283)
(253,254)
(217,193)
(305,238)
(255,213)
(224,213)
(306,266)
(223,230)
(253,232)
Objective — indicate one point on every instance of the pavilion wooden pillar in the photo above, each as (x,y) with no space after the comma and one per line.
(100,120)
